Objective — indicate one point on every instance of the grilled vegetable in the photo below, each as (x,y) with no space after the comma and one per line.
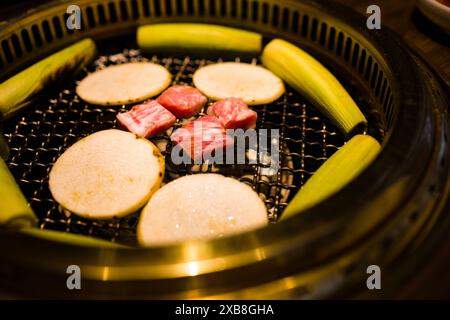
(335,173)
(200,207)
(19,90)
(305,74)
(200,138)
(108,174)
(124,83)
(253,84)
(203,37)
(69,238)
(14,209)
(234,113)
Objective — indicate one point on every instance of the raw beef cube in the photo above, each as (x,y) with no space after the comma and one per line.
(202,137)
(147,119)
(233,113)
(182,101)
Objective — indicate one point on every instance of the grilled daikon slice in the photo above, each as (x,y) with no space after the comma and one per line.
(124,83)
(108,174)
(200,206)
(253,84)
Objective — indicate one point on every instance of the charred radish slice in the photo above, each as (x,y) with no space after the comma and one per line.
(108,174)
(201,206)
(124,84)
(253,84)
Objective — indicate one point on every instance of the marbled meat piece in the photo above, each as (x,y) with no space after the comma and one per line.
(233,113)
(147,119)
(182,101)
(202,137)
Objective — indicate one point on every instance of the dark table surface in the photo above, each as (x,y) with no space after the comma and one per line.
(404,18)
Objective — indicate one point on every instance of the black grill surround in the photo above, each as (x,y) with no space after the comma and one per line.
(393,208)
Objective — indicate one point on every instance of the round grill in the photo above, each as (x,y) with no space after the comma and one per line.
(41,134)
(392,209)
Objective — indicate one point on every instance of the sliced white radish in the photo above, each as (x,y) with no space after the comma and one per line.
(124,83)
(253,84)
(108,174)
(200,206)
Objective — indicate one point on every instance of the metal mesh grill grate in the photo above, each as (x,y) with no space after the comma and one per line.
(38,136)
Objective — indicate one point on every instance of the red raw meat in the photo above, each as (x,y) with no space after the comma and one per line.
(234,113)
(147,119)
(182,101)
(202,137)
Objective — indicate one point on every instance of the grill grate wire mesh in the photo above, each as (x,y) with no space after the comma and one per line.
(39,135)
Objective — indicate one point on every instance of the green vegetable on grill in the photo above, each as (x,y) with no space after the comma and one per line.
(20,90)
(309,77)
(190,37)
(14,208)
(342,167)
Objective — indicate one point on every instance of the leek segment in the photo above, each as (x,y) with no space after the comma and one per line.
(341,168)
(19,90)
(309,77)
(197,37)
(14,208)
